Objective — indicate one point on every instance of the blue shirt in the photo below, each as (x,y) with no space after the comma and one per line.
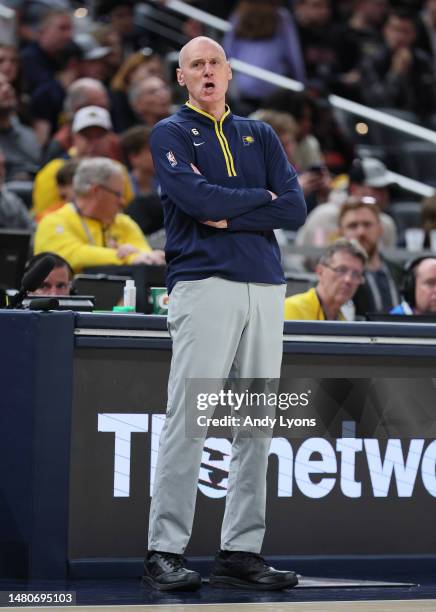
(402,309)
(239,160)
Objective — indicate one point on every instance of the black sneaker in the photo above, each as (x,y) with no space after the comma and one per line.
(165,572)
(248,570)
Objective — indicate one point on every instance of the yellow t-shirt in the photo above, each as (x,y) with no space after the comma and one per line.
(46,192)
(305,307)
(64,232)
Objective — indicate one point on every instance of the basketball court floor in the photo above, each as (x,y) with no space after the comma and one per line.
(312,595)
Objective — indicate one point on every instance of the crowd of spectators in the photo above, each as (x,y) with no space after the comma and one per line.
(90,83)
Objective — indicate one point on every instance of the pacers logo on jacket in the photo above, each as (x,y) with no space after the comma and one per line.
(247,140)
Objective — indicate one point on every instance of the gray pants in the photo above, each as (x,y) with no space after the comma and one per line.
(215,324)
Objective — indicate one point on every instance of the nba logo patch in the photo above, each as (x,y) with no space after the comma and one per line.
(247,140)
(171,158)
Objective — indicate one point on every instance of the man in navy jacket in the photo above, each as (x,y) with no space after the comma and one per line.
(226,185)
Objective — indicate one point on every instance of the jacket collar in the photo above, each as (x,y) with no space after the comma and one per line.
(198,113)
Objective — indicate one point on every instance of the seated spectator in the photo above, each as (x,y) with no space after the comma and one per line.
(107,36)
(39,59)
(95,57)
(9,63)
(10,68)
(150,100)
(365,24)
(340,272)
(135,68)
(368,177)
(315,181)
(419,288)
(91,231)
(82,58)
(81,93)
(91,129)
(47,99)
(146,207)
(359,219)
(331,57)
(13,211)
(120,14)
(301,107)
(264,35)
(64,182)
(400,75)
(58,282)
(18,142)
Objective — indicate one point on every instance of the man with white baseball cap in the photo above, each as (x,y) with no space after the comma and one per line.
(91,130)
(91,116)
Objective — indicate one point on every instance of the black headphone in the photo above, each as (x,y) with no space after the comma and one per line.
(60,262)
(409,280)
(357,173)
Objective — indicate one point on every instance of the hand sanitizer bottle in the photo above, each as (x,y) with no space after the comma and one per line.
(130,294)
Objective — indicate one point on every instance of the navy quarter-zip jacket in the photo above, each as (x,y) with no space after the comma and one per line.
(240,161)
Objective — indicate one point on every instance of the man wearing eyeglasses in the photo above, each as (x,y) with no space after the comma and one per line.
(340,271)
(92,230)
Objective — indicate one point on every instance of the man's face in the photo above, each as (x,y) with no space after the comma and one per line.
(108,199)
(92,141)
(313,13)
(154,99)
(94,96)
(7,96)
(9,63)
(94,69)
(430,8)
(374,10)
(56,283)
(205,72)
(121,18)
(399,33)
(340,279)
(153,67)
(364,226)
(56,33)
(425,287)
(143,160)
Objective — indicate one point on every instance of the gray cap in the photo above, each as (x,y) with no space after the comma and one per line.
(375,173)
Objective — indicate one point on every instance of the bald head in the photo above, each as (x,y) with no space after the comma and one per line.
(205,72)
(85,92)
(197,44)
(425,286)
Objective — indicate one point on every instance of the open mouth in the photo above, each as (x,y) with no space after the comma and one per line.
(209,86)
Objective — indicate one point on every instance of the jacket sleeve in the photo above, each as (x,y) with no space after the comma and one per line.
(288,211)
(190,191)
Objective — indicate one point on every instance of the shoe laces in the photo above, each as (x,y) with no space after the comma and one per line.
(175,562)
